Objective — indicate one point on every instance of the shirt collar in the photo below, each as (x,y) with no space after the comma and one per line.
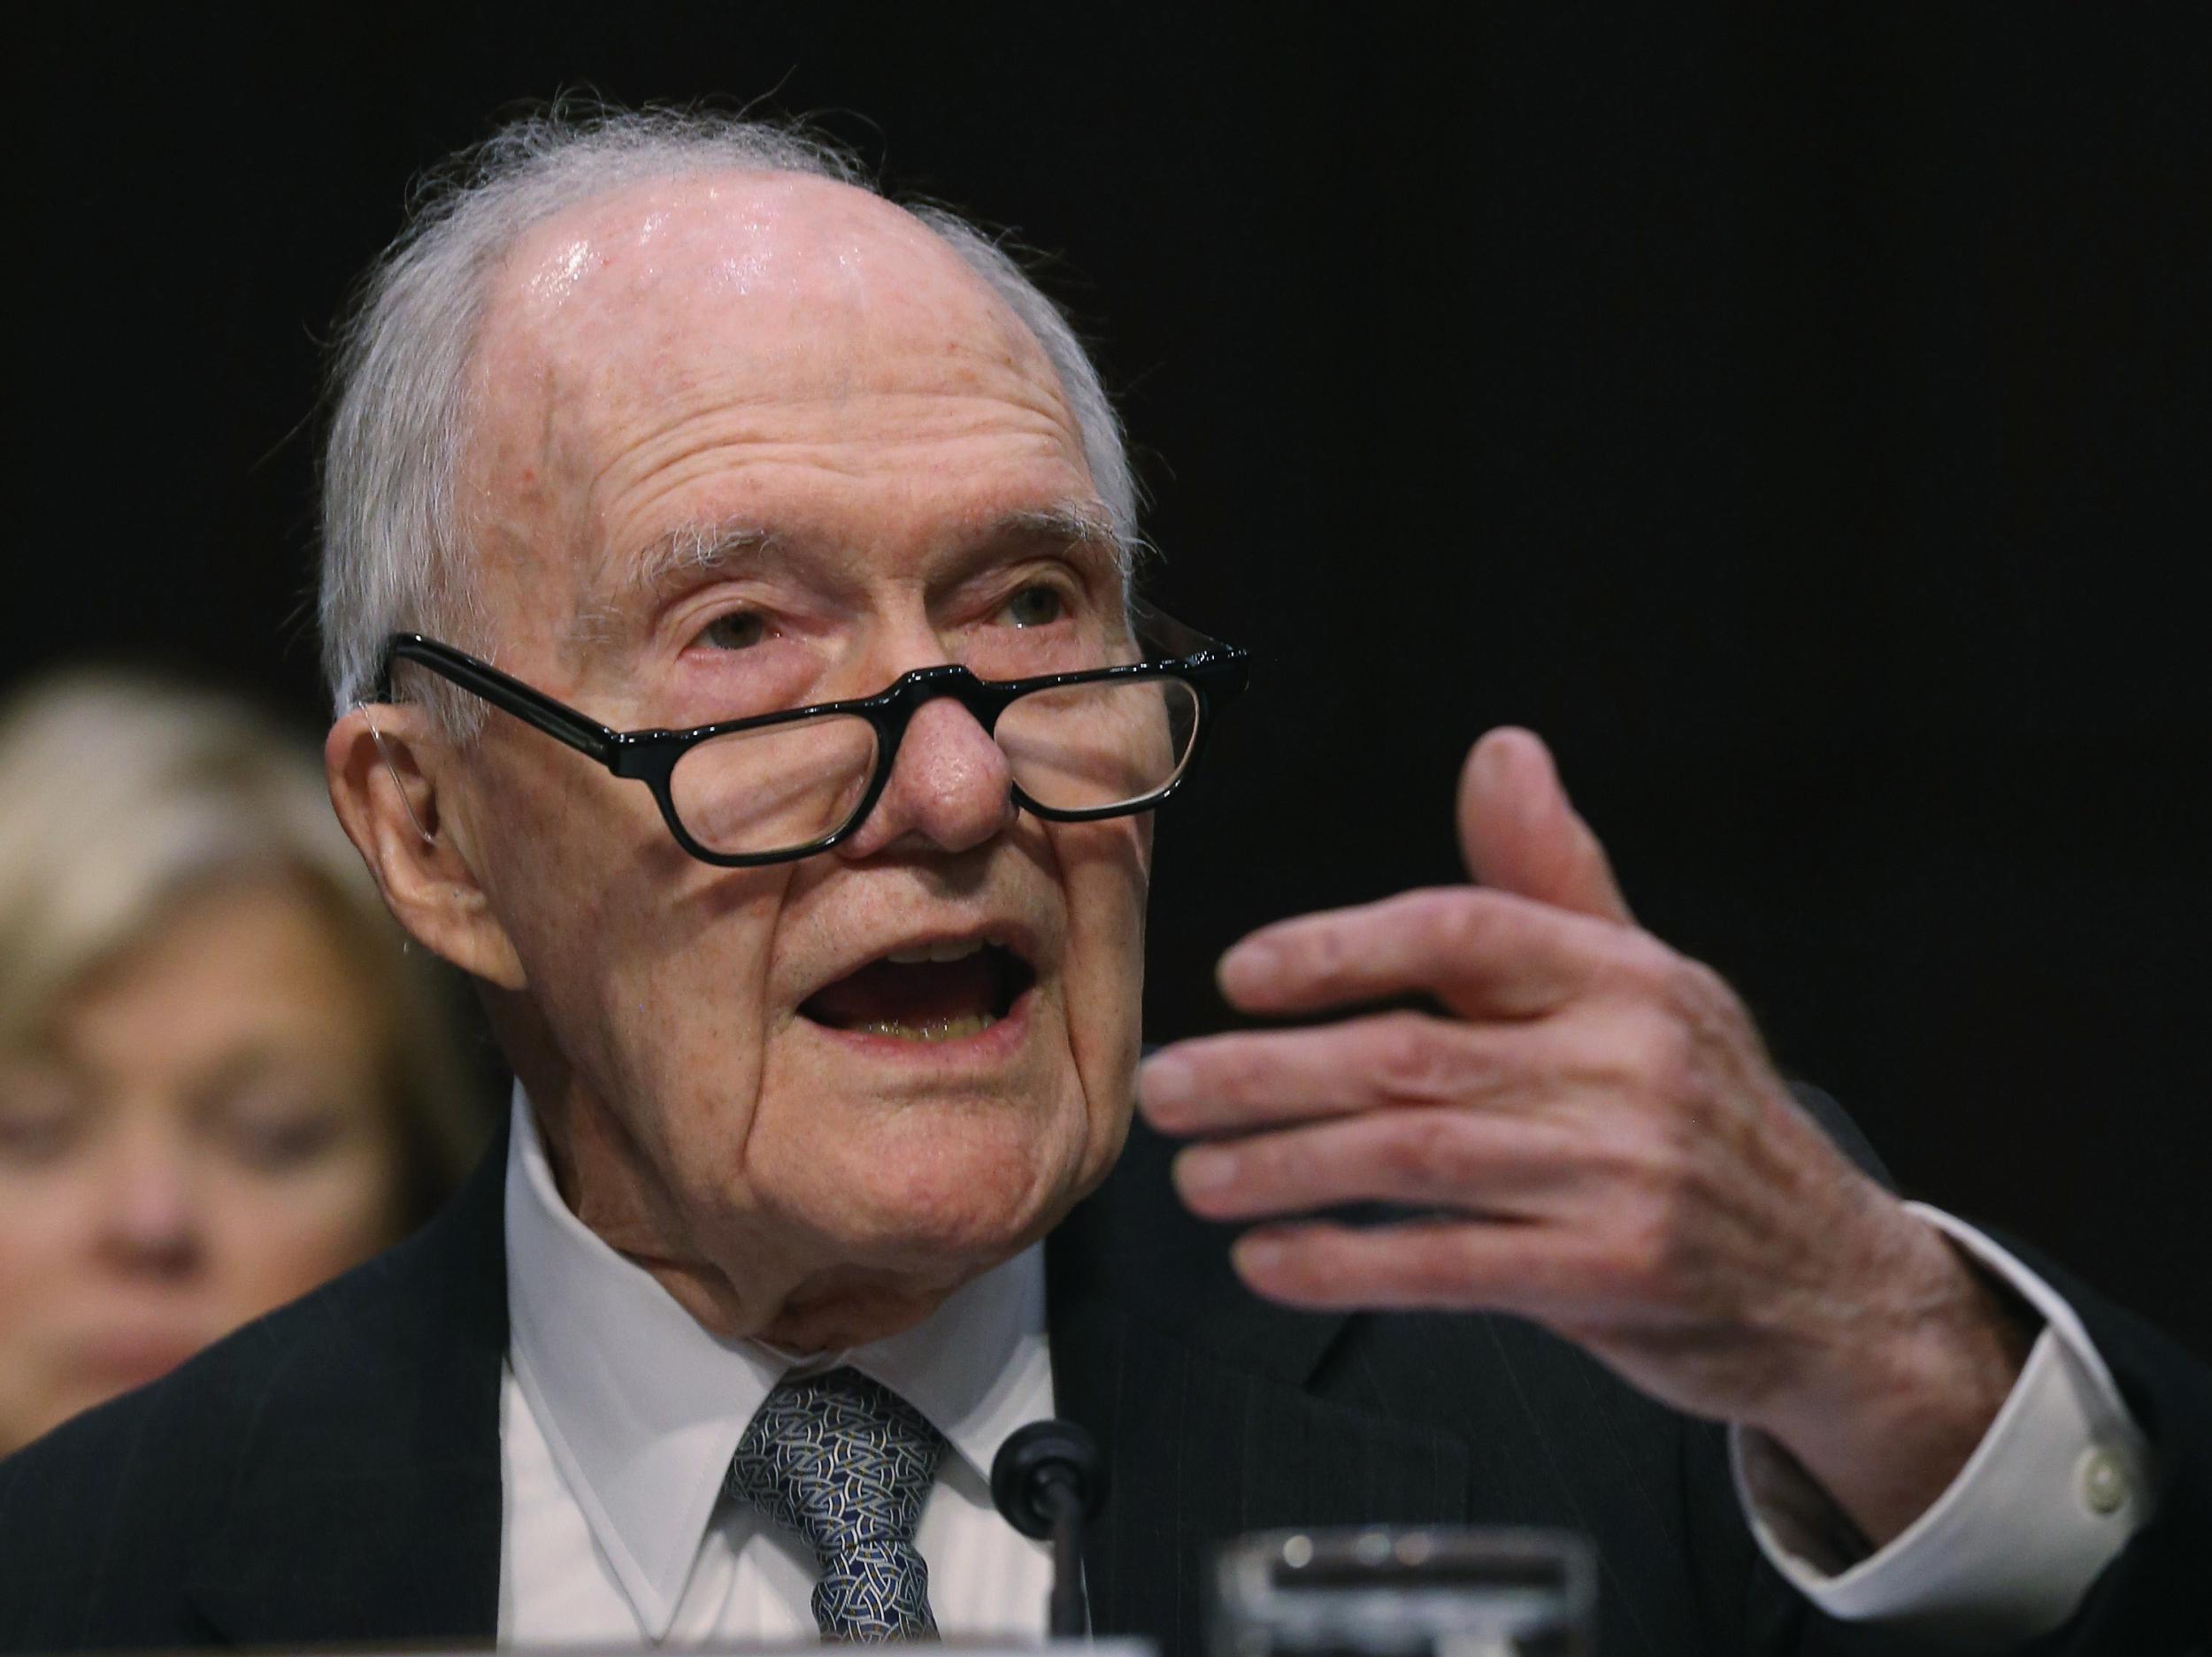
(642,1409)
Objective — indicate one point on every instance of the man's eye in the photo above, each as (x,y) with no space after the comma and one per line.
(1036,606)
(740,630)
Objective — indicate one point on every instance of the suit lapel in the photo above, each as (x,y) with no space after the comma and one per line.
(365,1504)
(1197,1392)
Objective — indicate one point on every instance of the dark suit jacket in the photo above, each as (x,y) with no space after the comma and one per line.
(332,1472)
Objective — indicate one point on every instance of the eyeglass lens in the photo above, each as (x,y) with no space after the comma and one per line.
(1075,747)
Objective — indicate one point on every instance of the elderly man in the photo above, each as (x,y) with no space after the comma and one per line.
(799,841)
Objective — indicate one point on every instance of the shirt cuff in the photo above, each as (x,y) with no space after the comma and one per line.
(2053,1493)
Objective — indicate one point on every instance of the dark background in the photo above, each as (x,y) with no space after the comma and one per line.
(1799,415)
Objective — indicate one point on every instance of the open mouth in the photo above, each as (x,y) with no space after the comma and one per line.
(929,993)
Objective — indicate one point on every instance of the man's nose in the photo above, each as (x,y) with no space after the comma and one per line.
(950,788)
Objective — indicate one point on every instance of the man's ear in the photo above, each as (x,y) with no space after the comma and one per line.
(384,766)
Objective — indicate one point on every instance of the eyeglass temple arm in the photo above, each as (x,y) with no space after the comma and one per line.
(1225,666)
(1178,641)
(532,707)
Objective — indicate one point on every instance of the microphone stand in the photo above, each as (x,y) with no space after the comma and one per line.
(1047,1480)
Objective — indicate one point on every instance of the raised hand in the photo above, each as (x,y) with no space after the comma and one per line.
(1596,1140)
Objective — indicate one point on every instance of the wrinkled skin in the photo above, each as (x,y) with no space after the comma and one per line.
(1607,1149)
(734,354)
(725,355)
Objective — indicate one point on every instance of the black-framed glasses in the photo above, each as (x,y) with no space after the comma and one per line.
(1103,742)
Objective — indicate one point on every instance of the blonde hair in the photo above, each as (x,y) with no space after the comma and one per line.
(121,796)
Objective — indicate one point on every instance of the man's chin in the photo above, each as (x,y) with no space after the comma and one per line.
(954,1215)
(924,1172)
(935,1194)
(898,1264)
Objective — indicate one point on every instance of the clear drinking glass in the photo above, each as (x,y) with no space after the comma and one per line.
(1429,1592)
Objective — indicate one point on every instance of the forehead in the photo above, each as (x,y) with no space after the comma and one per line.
(649,347)
(777,265)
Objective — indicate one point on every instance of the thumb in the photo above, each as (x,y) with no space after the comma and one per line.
(1520,835)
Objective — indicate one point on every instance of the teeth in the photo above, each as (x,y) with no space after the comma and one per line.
(957,951)
(936,1030)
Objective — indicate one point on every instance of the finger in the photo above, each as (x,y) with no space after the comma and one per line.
(1230,1084)
(1482,954)
(1467,1160)
(1520,834)
(1531,1269)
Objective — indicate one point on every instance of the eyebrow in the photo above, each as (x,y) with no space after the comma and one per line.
(682,554)
(687,552)
(1073,523)
(693,551)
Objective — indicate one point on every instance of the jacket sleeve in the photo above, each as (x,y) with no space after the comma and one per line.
(2154,1599)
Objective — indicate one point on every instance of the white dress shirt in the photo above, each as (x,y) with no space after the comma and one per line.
(2053,1493)
(619,1415)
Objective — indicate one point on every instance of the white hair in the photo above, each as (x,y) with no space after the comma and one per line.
(395,544)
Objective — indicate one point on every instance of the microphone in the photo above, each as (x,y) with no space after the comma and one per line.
(1047,1479)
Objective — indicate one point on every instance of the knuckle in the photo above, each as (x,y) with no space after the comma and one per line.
(1698,985)
(1640,1184)
(1641,963)
(1327,951)
(1429,1261)
(1696,993)
(1448,1264)
(1577,1276)
(1707,1005)
(1655,1055)
(1304,1264)
(1647,1254)
(1410,1061)
(1670,1176)
(1453,918)
(1262,1168)
(1238,1075)
(1417,1152)
(1634,1154)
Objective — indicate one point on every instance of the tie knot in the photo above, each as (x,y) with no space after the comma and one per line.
(846,1464)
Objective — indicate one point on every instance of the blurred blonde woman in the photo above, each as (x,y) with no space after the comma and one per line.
(222,1079)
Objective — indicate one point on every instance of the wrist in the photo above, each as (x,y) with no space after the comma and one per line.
(1897,1401)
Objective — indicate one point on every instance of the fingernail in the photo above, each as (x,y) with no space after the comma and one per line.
(1491,761)
(1165,1084)
(1251,970)
(1201,1170)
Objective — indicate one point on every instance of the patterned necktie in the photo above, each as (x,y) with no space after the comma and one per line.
(845,1464)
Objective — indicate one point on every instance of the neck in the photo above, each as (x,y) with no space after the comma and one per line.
(784,1296)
